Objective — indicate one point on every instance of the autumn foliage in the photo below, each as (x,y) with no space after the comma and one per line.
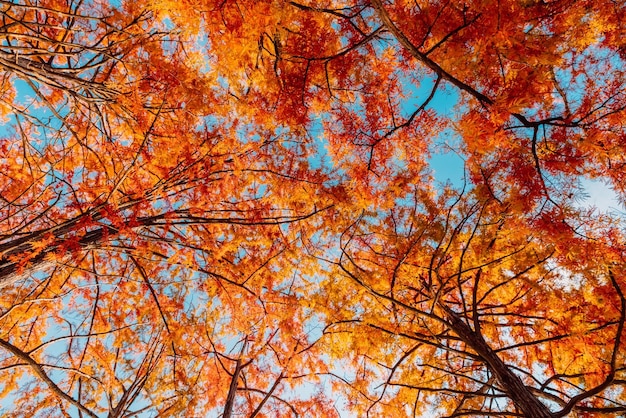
(229,208)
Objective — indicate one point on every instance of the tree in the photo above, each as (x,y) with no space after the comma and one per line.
(228,208)
(483,319)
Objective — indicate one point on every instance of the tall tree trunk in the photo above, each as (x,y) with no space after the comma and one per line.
(523,398)
(232,390)
(12,268)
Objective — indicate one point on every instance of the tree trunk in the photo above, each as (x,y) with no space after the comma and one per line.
(521,395)
(13,270)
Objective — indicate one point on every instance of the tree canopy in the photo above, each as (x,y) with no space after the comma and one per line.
(229,208)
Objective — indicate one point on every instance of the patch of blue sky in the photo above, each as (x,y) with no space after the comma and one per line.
(446,163)
(599,195)
(62,338)
(319,158)
(44,121)
(7,406)
(575,86)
